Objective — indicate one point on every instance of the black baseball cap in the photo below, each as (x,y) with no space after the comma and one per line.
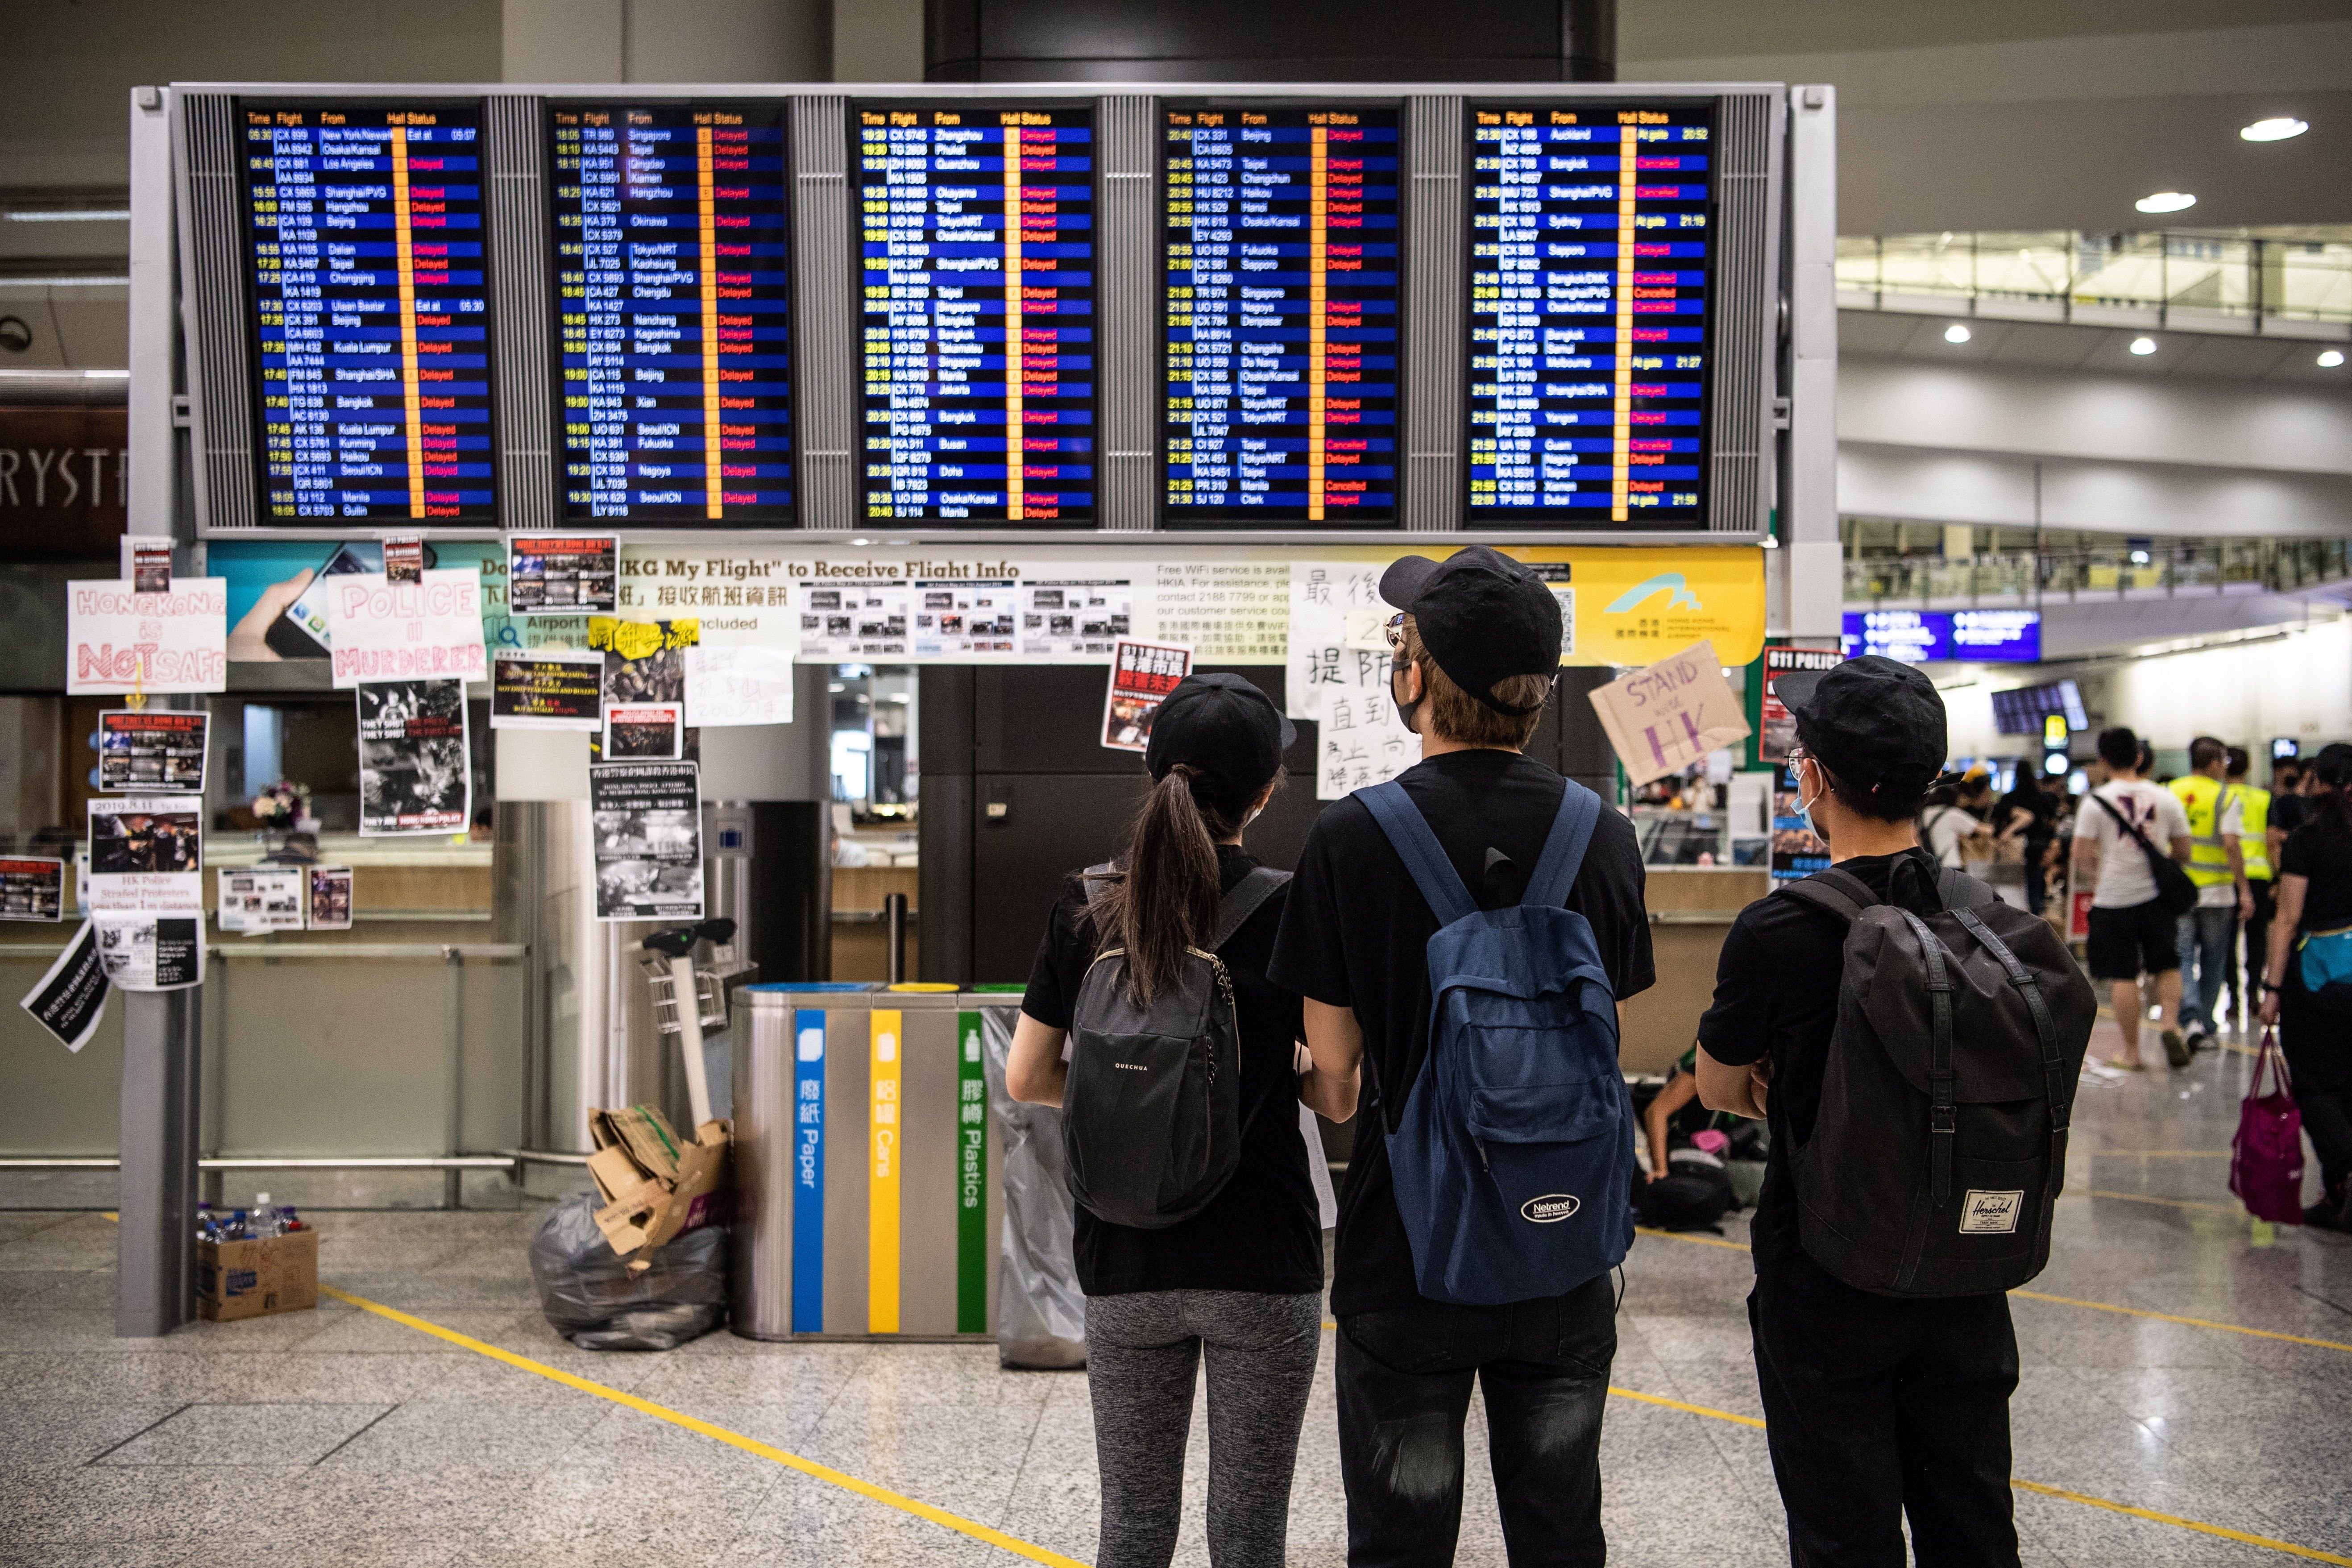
(1225,727)
(1483,617)
(1872,722)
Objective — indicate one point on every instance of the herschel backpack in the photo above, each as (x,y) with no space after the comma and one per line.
(1151,1120)
(1940,1146)
(1514,1149)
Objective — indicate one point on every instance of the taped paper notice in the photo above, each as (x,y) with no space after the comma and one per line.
(151,952)
(382,631)
(738,686)
(1338,676)
(70,998)
(146,855)
(119,640)
(1668,717)
(1142,674)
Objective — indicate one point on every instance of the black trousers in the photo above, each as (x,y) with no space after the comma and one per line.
(1876,1407)
(1404,1380)
(2249,984)
(2318,1045)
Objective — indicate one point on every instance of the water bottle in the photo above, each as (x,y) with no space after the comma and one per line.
(287,1221)
(204,1224)
(264,1217)
(237,1230)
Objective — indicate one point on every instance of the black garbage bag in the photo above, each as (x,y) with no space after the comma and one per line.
(591,1297)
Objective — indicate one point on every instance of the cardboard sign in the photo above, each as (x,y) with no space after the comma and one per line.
(1668,717)
(1142,674)
(70,998)
(151,748)
(382,631)
(120,640)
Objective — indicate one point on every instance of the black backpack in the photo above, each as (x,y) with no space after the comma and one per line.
(1940,1146)
(1151,1121)
(1695,1195)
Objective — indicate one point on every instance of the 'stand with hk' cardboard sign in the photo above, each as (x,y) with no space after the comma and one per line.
(1669,716)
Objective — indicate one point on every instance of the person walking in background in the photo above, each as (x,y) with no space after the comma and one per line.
(1243,1276)
(1954,816)
(2029,814)
(1476,652)
(2132,933)
(2206,942)
(2254,805)
(2307,977)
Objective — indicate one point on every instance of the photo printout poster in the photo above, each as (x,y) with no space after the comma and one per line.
(70,1000)
(563,575)
(151,952)
(1142,674)
(1075,618)
(252,899)
(331,897)
(641,732)
(644,662)
(1338,676)
(404,559)
(648,821)
(147,562)
(119,640)
(151,748)
(415,773)
(146,855)
(744,684)
(1779,727)
(32,888)
(382,631)
(854,620)
(964,617)
(548,691)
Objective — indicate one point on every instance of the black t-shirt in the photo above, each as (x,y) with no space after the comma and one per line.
(2288,812)
(2029,797)
(2321,849)
(1357,931)
(1263,1232)
(1776,996)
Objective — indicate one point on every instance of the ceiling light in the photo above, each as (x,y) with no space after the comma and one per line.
(65,279)
(2142,345)
(2330,358)
(2165,202)
(122,215)
(1956,334)
(2276,130)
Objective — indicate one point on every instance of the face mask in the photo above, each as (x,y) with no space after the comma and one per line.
(1405,711)
(1805,807)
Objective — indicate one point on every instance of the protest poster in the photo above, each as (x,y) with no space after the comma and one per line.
(331,897)
(146,855)
(151,748)
(645,661)
(147,562)
(1779,730)
(1338,667)
(414,772)
(647,826)
(381,630)
(151,952)
(70,1000)
(120,640)
(744,684)
(256,900)
(548,691)
(641,732)
(1669,716)
(32,888)
(404,559)
(1141,675)
(563,575)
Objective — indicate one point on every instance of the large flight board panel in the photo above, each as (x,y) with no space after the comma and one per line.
(674,311)
(368,295)
(1590,260)
(977,260)
(1281,323)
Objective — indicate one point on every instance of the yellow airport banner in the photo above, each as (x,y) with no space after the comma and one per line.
(1634,604)
(883,1151)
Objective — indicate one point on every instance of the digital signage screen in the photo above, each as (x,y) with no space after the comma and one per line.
(977,260)
(1921,637)
(673,315)
(1281,288)
(2022,710)
(368,300)
(1590,262)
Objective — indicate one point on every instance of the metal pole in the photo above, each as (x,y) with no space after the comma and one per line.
(453,1113)
(894,911)
(155,1245)
(1809,518)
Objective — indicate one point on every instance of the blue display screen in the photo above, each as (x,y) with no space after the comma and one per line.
(1921,637)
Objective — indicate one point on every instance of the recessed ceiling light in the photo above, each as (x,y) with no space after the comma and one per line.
(2330,358)
(2165,202)
(1956,334)
(87,215)
(2142,345)
(2275,130)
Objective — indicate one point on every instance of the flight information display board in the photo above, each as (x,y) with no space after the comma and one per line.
(1589,263)
(370,305)
(977,256)
(673,310)
(1281,285)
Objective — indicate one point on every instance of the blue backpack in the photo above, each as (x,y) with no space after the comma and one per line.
(1514,1150)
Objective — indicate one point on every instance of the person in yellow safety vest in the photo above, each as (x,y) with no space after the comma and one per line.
(2261,891)
(2209,933)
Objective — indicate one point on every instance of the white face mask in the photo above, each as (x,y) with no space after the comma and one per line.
(1805,804)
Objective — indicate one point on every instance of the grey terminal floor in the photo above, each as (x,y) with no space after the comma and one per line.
(2187,1398)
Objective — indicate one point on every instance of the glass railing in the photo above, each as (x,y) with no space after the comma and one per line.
(2145,568)
(2305,277)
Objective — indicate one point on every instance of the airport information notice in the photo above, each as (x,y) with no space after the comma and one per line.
(371,310)
(978,271)
(669,238)
(1588,311)
(1282,314)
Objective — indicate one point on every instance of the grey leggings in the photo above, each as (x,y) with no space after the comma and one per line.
(1142,1351)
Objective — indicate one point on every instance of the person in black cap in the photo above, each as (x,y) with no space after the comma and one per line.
(1476,648)
(1874,1405)
(1245,1276)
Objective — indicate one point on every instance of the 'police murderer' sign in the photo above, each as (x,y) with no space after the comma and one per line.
(1669,716)
(427,630)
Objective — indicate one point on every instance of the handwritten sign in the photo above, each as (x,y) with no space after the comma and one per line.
(427,630)
(1669,716)
(738,685)
(1337,663)
(122,640)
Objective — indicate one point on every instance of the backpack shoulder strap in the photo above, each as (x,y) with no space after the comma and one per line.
(1564,847)
(1248,896)
(1417,847)
(1961,891)
(2125,823)
(1841,894)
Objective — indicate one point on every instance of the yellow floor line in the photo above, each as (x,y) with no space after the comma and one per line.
(825,1473)
(2168,1203)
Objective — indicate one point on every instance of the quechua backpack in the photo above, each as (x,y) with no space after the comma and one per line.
(1151,1121)
(1940,1146)
(1513,1149)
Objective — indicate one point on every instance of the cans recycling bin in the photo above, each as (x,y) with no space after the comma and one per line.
(865,1176)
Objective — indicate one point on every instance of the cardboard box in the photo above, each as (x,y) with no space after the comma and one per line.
(654,1184)
(250,1279)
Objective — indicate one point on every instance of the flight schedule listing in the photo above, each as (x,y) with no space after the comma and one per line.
(1282,314)
(977,262)
(1588,311)
(372,309)
(671,262)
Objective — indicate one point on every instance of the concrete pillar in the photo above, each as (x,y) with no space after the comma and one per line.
(667,40)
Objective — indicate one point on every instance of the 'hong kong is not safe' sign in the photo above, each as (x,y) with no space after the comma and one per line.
(120,640)
(1669,716)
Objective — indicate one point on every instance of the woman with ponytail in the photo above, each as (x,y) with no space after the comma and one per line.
(2307,982)
(1242,1279)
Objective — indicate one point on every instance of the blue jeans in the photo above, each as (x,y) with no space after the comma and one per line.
(2208,941)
